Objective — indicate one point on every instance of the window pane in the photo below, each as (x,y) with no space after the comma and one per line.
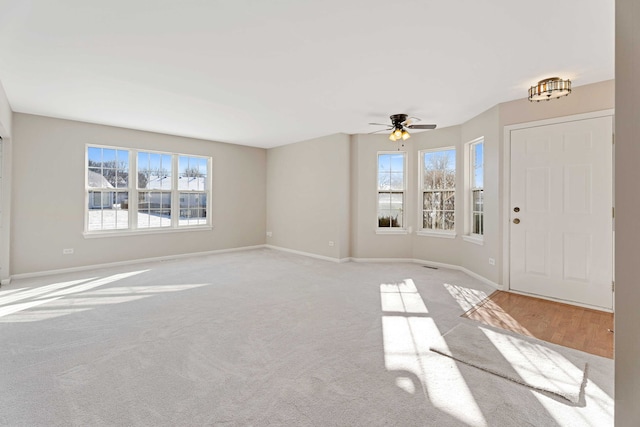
(396,201)
(448,201)
(477,157)
(384,181)
(107,210)
(192,173)
(397,181)
(107,168)
(439,169)
(427,201)
(154,171)
(397,162)
(449,221)
(477,223)
(193,209)
(384,163)
(154,209)
(478,201)
(384,201)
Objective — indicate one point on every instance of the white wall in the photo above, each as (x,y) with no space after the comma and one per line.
(627,176)
(5,115)
(6,122)
(474,257)
(364,199)
(48,196)
(308,196)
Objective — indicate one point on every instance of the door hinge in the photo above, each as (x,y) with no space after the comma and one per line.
(613,138)
(613,286)
(613,212)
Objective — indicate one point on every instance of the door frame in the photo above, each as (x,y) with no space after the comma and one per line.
(506,188)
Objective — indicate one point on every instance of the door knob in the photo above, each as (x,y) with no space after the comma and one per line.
(516,221)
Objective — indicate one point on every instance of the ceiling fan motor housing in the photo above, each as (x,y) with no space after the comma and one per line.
(398,119)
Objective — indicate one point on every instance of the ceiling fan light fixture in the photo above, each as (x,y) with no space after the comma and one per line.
(397,133)
(392,137)
(550,88)
(405,135)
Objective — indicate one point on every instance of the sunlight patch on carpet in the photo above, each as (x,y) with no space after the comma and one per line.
(408,331)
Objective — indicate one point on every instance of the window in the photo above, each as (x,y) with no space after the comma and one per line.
(391,188)
(154,189)
(438,182)
(131,190)
(476,187)
(192,185)
(108,189)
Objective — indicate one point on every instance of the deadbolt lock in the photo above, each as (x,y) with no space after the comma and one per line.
(516,221)
(516,209)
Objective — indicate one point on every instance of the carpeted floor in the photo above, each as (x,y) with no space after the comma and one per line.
(260,338)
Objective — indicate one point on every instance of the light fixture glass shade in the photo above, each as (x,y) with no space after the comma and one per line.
(398,133)
(551,88)
(405,135)
(392,137)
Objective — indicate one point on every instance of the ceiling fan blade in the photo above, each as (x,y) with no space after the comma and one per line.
(381,130)
(380,124)
(421,126)
(411,120)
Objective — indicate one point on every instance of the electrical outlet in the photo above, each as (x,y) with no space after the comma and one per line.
(331,243)
(68,251)
(492,261)
(269,233)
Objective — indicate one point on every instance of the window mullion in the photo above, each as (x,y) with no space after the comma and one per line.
(175,194)
(133,191)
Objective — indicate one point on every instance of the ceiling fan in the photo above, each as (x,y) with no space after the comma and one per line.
(400,123)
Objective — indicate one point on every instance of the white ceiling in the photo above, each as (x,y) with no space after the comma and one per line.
(268,73)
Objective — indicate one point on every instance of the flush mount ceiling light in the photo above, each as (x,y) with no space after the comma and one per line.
(553,87)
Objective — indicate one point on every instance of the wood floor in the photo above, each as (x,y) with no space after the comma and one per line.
(575,327)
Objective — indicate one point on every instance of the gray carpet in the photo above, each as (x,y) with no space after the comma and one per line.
(259,338)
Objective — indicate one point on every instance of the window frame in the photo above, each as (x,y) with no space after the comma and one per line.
(470,187)
(391,230)
(446,234)
(134,192)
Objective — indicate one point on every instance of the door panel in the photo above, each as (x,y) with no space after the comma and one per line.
(561,211)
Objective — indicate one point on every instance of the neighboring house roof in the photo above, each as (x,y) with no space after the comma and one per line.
(97,181)
(184,183)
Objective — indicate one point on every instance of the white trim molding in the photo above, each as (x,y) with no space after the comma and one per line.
(307,254)
(131,262)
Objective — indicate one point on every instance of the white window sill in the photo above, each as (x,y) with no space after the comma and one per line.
(139,232)
(439,234)
(474,240)
(392,231)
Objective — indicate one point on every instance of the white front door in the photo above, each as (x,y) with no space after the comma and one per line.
(561,211)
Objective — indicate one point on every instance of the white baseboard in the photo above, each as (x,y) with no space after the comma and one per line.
(246,248)
(433,264)
(308,254)
(128,262)
(365,260)
(459,268)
